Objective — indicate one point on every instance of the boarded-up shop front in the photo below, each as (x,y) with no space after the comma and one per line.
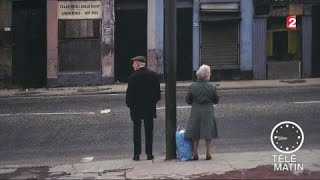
(287,46)
(283,49)
(79,37)
(284,41)
(220,35)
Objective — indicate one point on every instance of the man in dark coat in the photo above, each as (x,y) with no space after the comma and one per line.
(142,95)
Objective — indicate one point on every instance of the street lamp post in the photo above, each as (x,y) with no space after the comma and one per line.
(171,66)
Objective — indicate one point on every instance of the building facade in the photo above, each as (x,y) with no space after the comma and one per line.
(282,53)
(76,42)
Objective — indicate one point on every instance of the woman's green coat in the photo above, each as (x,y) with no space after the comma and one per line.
(202,95)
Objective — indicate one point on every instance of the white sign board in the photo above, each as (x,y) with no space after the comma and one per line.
(79,10)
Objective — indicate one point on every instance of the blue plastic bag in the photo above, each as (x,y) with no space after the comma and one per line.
(184,146)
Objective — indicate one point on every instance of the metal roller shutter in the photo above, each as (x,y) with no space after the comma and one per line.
(219,44)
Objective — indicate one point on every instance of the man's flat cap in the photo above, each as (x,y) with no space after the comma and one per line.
(139,58)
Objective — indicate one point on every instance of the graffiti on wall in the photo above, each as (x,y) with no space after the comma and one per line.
(155,60)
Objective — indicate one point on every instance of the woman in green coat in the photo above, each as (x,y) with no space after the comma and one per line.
(202,95)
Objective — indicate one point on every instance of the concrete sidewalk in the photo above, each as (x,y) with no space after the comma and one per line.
(161,169)
(181,86)
(173,169)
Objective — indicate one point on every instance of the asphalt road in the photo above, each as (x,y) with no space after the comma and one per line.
(57,130)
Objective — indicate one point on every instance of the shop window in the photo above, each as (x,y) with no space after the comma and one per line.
(283,44)
(79,45)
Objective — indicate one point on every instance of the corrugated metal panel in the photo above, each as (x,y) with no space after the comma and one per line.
(259,48)
(219,44)
(306,46)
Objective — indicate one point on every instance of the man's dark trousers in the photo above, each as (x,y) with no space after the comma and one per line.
(148,129)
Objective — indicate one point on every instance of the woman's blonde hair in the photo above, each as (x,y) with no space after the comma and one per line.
(203,73)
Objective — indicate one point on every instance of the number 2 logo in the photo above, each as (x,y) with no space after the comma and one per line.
(291,22)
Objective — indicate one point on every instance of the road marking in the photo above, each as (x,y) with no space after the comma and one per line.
(105,111)
(307,102)
(87,159)
(58,113)
(114,94)
(183,107)
(178,107)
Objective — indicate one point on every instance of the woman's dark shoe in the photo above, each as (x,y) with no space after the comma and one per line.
(136,158)
(208,157)
(150,157)
(195,157)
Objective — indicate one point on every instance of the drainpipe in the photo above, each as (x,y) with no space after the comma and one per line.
(246,39)
(195,38)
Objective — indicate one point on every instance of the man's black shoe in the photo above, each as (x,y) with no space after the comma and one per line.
(150,157)
(136,158)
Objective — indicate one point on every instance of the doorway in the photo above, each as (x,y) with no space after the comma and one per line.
(184,44)
(130,40)
(283,49)
(29,43)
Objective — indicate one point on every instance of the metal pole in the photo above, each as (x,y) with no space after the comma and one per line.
(171,66)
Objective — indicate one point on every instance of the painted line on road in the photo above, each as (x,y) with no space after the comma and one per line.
(183,107)
(87,159)
(58,113)
(105,111)
(178,107)
(307,102)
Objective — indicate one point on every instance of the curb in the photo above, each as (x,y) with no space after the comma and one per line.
(178,89)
